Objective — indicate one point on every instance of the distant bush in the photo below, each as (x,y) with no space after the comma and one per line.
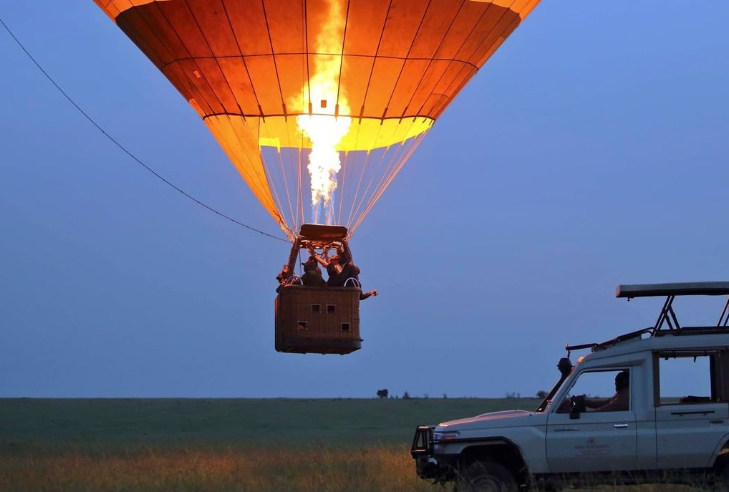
(406,396)
(541,394)
(383,393)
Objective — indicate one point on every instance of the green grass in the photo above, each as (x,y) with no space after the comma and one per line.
(123,424)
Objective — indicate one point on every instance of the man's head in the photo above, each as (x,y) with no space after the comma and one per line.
(622,381)
(565,366)
(309,264)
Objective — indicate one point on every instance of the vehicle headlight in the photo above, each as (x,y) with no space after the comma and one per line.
(445,435)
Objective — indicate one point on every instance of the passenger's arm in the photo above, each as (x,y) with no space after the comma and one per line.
(322,262)
(318,258)
(595,403)
(618,403)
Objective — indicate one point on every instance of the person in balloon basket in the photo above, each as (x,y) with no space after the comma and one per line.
(312,273)
(340,268)
(283,277)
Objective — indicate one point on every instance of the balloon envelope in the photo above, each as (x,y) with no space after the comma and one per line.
(318,103)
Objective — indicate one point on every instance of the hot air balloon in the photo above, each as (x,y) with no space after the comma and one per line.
(318,104)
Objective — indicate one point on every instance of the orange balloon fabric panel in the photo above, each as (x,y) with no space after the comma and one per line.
(399,58)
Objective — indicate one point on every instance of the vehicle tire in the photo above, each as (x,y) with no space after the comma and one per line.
(486,476)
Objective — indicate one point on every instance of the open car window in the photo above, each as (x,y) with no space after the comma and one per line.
(690,377)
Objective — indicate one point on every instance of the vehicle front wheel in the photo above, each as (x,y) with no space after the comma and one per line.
(486,476)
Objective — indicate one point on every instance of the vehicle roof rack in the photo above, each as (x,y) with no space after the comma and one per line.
(674,289)
(667,315)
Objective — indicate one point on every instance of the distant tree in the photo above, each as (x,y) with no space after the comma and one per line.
(426,396)
(445,397)
(541,394)
(406,396)
(383,393)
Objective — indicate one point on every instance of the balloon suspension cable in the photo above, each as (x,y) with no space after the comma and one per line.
(137,160)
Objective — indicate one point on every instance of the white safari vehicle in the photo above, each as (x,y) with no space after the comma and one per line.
(648,406)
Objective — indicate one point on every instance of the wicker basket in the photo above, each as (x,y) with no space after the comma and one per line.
(322,320)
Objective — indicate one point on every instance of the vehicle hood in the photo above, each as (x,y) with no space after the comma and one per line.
(507,418)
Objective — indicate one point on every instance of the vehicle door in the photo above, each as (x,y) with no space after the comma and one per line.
(603,438)
(692,412)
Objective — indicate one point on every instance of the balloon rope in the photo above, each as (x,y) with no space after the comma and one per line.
(400,163)
(115,142)
(286,185)
(359,182)
(372,197)
(342,185)
(369,184)
(300,170)
(293,163)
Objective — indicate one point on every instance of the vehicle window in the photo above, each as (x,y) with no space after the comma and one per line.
(603,391)
(684,378)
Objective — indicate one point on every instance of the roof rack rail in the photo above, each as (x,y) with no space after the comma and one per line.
(667,315)
(608,343)
(693,330)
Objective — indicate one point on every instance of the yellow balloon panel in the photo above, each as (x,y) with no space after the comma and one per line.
(365,134)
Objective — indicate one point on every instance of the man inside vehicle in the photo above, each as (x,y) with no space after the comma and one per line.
(620,402)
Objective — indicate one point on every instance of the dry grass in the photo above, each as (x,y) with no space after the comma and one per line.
(373,469)
(283,470)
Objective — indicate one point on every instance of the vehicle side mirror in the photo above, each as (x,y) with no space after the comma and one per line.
(577,406)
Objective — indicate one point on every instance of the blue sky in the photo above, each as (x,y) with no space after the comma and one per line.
(591,150)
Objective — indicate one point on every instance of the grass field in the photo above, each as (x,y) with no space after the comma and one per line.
(272,445)
(220,445)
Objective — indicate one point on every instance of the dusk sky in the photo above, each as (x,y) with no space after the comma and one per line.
(591,150)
